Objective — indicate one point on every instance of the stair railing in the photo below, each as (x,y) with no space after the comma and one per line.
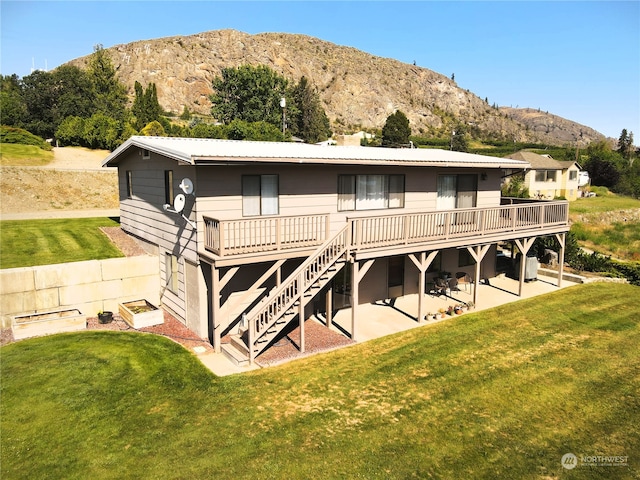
(265,315)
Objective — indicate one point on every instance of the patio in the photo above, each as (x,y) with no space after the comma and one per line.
(380,319)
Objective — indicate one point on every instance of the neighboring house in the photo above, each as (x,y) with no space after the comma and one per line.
(272,232)
(549,178)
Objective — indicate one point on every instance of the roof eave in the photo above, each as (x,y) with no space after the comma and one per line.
(113,159)
(226,160)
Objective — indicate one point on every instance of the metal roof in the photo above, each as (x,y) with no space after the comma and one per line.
(203,151)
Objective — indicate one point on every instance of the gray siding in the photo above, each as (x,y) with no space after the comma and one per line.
(143,216)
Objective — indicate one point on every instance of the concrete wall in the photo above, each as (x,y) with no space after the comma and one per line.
(89,286)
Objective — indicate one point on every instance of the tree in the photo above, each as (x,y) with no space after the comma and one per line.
(308,119)
(146,108)
(13,110)
(110,95)
(459,139)
(515,187)
(102,131)
(73,94)
(258,131)
(186,114)
(71,131)
(153,129)
(396,130)
(602,164)
(39,94)
(248,93)
(625,146)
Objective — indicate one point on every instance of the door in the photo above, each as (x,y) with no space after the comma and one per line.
(395,277)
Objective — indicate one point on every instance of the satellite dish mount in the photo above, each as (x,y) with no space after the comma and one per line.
(180,201)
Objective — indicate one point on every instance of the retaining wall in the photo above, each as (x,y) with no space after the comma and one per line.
(89,286)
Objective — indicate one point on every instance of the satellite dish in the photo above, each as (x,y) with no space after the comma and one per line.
(186,186)
(178,203)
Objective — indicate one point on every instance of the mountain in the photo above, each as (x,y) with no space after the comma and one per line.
(358,90)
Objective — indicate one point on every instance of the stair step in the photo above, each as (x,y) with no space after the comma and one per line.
(233,354)
(239,344)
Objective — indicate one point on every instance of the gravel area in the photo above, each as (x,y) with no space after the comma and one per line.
(171,328)
(318,338)
(125,242)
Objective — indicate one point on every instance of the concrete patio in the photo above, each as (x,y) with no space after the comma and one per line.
(380,319)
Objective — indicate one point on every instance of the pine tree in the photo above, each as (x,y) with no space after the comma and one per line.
(396,130)
(309,120)
(110,95)
(625,146)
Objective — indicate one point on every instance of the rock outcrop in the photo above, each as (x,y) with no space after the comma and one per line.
(358,90)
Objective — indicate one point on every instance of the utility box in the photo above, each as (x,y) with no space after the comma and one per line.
(530,268)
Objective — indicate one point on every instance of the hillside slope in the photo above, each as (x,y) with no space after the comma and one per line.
(358,90)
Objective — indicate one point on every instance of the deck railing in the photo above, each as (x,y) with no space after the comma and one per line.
(389,230)
(264,234)
(270,234)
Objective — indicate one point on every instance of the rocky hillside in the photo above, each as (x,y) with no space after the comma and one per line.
(358,90)
(563,131)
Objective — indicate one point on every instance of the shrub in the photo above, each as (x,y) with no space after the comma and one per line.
(22,137)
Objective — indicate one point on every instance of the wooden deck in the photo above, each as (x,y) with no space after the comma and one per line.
(440,229)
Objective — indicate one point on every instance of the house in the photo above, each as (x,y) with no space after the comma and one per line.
(253,236)
(549,178)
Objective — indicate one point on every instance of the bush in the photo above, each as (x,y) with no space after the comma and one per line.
(71,131)
(22,137)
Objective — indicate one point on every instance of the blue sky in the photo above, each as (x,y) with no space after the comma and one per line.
(579,60)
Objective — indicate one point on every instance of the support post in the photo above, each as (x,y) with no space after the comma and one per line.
(421,287)
(422,264)
(354,298)
(215,307)
(562,238)
(301,289)
(329,306)
(478,252)
(524,247)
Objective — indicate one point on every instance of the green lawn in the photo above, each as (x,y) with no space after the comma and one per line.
(604,202)
(503,393)
(599,224)
(24,155)
(25,243)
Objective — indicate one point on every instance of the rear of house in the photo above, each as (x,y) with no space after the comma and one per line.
(272,232)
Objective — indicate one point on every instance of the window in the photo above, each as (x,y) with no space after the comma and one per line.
(457,191)
(168,187)
(146,154)
(573,175)
(171,271)
(129,184)
(546,175)
(370,192)
(259,195)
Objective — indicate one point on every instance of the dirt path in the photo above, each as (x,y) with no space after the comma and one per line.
(74,184)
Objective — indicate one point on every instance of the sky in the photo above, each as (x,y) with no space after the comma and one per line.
(576,59)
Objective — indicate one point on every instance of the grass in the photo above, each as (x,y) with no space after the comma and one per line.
(24,243)
(619,240)
(600,224)
(604,202)
(502,393)
(24,155)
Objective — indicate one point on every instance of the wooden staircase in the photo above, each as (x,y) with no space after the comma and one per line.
(286,302)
